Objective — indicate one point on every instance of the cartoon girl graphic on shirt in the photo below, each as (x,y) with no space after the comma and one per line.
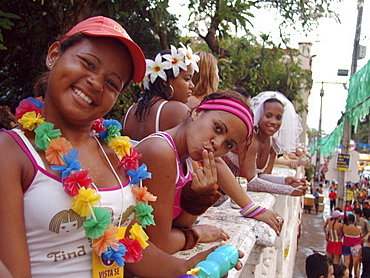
(66,221)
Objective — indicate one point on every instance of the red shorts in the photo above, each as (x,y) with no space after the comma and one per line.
(334,247)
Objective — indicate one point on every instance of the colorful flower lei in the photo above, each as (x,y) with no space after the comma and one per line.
(178,59)
(108,240)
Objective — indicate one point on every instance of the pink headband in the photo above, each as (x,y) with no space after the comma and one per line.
(232,106)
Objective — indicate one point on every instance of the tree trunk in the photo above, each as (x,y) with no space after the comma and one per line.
(68,14)
(163,40)
(212,40)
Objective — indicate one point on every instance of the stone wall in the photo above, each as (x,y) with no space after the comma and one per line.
(266,255)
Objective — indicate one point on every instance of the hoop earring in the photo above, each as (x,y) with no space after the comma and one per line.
(172,91)
(257,129)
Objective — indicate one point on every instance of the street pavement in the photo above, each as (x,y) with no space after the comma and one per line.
(312,237)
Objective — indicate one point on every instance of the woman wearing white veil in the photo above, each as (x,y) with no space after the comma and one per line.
(277,129)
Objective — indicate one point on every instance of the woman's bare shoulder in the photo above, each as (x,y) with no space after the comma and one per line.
(7,143)
(172,114)
(14,163)
(155,146)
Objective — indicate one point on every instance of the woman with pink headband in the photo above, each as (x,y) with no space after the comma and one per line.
(222,122)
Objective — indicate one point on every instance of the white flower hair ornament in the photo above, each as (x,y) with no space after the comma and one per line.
(190,58)
(178,59)
(156,68)
(175,60)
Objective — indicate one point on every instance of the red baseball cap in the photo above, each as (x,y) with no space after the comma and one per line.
(101,26)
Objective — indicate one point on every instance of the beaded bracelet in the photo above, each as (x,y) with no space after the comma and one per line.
(251,210)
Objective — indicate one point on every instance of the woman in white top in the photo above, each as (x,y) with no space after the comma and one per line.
(277,129)
(162,105)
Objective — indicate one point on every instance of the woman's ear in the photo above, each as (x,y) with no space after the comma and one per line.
(53,54)
(196,113)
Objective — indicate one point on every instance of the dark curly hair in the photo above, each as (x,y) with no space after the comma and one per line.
(156,89)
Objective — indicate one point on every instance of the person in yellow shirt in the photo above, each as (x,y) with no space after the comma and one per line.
(349,193)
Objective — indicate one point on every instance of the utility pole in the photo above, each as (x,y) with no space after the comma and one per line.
(318,155)
(347,129)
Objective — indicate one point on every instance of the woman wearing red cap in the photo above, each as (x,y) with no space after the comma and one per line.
(66,200)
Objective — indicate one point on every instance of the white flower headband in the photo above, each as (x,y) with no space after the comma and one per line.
(179,58)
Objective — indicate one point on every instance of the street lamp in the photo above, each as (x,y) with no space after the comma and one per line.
(319,132)
(318,138)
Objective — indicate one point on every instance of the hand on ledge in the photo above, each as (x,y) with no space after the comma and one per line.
(270,218)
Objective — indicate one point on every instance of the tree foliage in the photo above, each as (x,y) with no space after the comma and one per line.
(242,61)
(6,23)
(264,67)
(218,15)
(221,16)
(40,24)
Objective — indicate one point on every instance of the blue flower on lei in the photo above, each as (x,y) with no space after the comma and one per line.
(113,128)
(36,102)
(72,163)
(117,256)
(141,174)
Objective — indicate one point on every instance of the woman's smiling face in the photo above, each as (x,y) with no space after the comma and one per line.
(88,77)
(271,118)
(215,131)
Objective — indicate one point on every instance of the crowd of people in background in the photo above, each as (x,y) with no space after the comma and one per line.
(347,231)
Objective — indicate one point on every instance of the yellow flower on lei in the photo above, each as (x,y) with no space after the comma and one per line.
(85,201)
(29,120)
(120,145)
(121,232)
(137,232)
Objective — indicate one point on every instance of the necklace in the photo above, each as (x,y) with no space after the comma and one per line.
(113,171)
(108,240)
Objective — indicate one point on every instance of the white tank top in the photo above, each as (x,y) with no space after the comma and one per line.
(55,235)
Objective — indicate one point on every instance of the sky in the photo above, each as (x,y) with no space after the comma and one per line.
(332,45)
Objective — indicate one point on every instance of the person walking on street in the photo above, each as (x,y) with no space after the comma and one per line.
(363,223)
(340,271)
(352,244)
(332,198)
(366,259)
(334,236)
(366,210)
(316,195)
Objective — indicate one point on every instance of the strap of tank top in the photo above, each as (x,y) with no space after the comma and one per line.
(158,115)
(125,117)
(26,147)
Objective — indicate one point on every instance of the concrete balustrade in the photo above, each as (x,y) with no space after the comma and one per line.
(266,254)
